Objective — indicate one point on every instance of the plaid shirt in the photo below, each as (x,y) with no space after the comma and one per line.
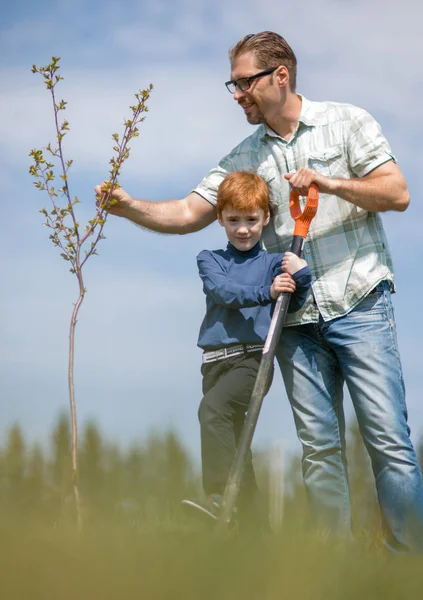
(346,247)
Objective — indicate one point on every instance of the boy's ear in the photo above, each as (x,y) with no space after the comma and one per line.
(219,218)
(266,219)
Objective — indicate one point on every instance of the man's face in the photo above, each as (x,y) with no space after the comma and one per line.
(262,97)
(243,228)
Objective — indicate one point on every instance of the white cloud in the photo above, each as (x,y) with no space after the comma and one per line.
(192,120)
(190,124)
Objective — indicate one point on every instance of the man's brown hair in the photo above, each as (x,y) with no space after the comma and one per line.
(244,191)
(270,50)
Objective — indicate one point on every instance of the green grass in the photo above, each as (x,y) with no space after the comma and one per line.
(126,560)
(136,542)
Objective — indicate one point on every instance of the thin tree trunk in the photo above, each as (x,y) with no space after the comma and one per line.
(74,425)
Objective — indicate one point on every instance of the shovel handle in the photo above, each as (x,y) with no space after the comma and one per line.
(303,218)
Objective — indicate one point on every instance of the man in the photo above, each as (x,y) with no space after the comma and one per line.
(346,331)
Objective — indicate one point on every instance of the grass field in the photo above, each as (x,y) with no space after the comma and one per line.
(117,560)
(137,543)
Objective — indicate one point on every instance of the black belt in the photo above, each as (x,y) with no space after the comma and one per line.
(213,355)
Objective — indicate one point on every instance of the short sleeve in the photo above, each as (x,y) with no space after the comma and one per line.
(209,185)
(367,146)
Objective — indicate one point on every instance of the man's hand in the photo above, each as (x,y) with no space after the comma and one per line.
(302,179)
(291,263)
(118,204)
(282,283)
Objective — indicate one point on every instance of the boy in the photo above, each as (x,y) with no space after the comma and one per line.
(240,284)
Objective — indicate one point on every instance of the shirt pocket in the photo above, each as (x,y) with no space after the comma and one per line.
(330,162)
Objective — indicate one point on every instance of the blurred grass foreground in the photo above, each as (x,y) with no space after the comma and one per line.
(137,543)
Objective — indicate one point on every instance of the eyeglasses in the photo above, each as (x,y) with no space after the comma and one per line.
(244,83)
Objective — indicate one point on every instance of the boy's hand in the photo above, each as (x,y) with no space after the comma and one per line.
(282,283)
(291,263)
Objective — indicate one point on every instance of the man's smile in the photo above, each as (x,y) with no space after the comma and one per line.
(246,105)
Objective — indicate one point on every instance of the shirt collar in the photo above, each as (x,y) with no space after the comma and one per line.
(244,253)
(307,116)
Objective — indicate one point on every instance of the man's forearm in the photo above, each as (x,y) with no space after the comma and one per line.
(169,216)
(382,189)
(377,194)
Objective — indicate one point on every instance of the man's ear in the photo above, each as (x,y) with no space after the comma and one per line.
(282,75)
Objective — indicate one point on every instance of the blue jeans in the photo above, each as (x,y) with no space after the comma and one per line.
(361,350)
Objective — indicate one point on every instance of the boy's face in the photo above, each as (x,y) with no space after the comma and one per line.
(243,228)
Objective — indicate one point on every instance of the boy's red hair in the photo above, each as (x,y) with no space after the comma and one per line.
(243,190)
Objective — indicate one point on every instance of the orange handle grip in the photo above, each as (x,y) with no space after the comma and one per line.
(304,218)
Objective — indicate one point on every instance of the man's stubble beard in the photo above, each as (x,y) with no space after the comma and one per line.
(257,120)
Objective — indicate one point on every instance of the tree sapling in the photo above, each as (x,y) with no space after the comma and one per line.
(76,244)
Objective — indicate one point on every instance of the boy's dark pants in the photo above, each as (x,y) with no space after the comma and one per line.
(227,389)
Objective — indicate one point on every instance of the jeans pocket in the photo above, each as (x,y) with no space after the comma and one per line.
(374,303)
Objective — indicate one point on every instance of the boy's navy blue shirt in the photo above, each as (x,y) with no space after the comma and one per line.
(238,301)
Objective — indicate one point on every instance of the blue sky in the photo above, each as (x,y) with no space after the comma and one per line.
(137,365)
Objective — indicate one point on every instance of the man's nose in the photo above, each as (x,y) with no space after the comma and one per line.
(238,93)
